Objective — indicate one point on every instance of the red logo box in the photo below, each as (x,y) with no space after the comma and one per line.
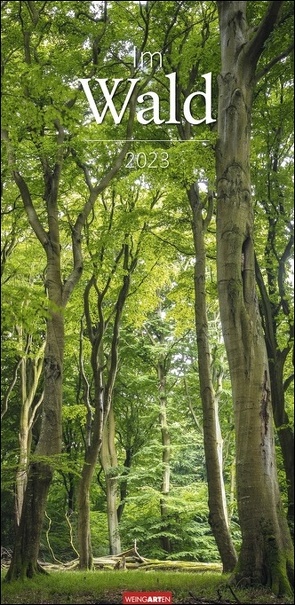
(145,598)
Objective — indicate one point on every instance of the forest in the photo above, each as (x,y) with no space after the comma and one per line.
(147,290)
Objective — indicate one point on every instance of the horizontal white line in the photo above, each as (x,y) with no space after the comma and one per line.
(148,140)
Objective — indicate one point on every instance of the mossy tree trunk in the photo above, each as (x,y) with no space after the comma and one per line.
(266,555)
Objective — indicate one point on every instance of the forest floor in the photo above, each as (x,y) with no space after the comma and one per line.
(107,587)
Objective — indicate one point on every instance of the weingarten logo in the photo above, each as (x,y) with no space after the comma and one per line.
(147,597)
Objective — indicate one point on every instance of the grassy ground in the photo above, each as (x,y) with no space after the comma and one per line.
(100,587)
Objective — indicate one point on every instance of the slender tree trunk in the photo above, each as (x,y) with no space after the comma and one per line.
(266,555)
(91,455)
(165,540)
(83,509)
(232,497)
(21,477)
(108,457)
(218,517)
(283,425)
(71,494)
(124,482)
(29,383)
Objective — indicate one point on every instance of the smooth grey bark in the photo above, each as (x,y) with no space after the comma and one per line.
(109,462)
(218,516)
(30,372)
(274,303)
(266,555)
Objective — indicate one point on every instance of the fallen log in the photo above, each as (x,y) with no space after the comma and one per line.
(131,559)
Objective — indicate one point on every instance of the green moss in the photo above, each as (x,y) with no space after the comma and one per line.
(279,564)
(276,571)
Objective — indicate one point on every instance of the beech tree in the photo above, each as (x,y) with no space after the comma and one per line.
(266,552)
(23,325)
(114,261)
(161,340)
(44,112)
(188,55)
(218,516)
(272,168)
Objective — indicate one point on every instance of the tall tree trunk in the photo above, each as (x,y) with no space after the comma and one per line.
(284,429)
(165,540)
(24,561)
(46,163)
(218,517)
(108,457)
(266,555)
(124,481)
(276,360)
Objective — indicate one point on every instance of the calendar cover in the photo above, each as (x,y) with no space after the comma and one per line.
(147,233)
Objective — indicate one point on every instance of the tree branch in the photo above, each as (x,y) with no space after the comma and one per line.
(282,272)
(288,381)
(4,406)
(275,60)
(266,308)
(30,210)
(255,46)
(166,241)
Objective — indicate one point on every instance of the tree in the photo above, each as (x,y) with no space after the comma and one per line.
(162,342)
(266,552)
(44,112)
(23,337)
(273,181)
(109,462)
(114,260)
(218,516)
(186,57)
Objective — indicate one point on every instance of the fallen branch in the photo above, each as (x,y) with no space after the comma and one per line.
(131,559)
